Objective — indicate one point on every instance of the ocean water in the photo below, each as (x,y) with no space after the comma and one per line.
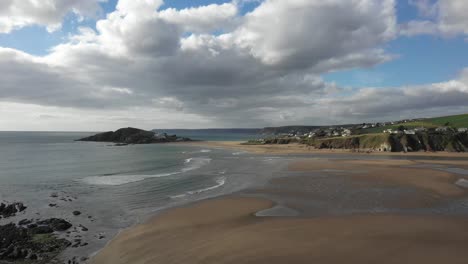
(215,134)
(115,187)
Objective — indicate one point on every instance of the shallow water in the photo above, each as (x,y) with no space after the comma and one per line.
(115,186)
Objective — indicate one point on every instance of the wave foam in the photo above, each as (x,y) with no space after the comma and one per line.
(114,180)
(219,182)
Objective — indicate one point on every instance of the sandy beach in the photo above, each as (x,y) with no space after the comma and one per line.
(304,149)
(410,226)
(225,231)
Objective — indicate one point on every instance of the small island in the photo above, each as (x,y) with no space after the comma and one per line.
(130,135)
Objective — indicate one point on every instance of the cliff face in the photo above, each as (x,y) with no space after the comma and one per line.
(454,142)
(132,136)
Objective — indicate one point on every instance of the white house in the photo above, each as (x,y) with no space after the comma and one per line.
(442,129)
(346,132)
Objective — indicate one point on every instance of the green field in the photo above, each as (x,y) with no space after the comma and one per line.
(453,121)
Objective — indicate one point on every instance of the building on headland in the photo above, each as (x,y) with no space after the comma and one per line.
(442,129)
(346,132)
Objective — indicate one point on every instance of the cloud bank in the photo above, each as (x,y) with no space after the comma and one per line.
(210,66)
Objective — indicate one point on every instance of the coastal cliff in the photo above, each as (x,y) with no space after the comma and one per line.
(451,142)
(131,135)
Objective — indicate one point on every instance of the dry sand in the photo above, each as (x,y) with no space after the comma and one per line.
(225,231)
(301,149)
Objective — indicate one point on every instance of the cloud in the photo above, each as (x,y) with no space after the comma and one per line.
(422,100)
(15,14)
(302,33)
(211,66)
(444,17)
(203,19)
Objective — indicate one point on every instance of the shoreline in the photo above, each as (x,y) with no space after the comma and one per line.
(224,229)
(296,148)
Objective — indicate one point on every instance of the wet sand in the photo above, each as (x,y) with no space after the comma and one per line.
(388,172)
(225,231)
(302,149)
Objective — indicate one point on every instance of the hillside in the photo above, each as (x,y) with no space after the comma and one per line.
(395,143)
(457,121)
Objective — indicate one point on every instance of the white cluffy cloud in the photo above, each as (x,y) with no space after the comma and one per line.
(443,17)
(15,14)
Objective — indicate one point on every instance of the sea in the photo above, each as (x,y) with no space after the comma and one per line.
(115,187)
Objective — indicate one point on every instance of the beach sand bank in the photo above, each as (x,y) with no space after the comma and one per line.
(225,231)
(304,149)
(398,172)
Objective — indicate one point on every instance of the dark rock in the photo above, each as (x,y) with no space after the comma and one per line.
(76,212)
(30,226)
(7,210)
(42,230)
(133,136)
(25,222)
(22,245)
(52,205)
(56,224)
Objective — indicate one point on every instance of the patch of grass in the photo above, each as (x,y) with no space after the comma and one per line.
(373,140)
(43,238)
(454,121)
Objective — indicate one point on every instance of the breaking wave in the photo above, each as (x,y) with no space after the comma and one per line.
(113,180)
(219,182)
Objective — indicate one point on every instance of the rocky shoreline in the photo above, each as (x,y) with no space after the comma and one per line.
(39,241)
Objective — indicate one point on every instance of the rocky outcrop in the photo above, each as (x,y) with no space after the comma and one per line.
(19,244)
(133,136)
(29,241)
(7,210)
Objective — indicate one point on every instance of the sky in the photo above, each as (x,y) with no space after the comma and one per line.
(98,65)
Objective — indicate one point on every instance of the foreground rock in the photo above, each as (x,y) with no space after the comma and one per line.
(133,136)
(34,243)
(7,210)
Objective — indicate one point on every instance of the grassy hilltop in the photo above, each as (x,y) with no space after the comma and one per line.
(456,121)
(402,137)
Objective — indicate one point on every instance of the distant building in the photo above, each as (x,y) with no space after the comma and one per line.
(442,129)
(409,132)
(346,132)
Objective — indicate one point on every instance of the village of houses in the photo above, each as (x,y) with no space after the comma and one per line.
(349,130)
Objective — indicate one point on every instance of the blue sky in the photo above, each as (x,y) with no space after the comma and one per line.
(419,59)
